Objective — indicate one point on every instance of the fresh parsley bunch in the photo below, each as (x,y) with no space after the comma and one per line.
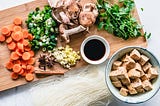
(118,19)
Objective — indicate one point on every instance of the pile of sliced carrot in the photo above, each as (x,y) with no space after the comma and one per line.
(22,57)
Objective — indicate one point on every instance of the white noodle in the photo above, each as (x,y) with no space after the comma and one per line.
(75,89)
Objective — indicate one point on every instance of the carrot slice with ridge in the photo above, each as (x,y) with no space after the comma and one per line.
(17,36)
(9,40)
(19,52)
(14,76)
(9,65)
(29,77)
(14,56)
(27,48)
(9,34)
(25,33)
(17,28)
(30,36)
(26,56)
(17,21)
(20,47)
(25,42)
(31,61)
(11,46)
(21,71)
(17,68)
(2,38)
(5,30)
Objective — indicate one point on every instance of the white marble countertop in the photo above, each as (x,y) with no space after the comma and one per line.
(150,16)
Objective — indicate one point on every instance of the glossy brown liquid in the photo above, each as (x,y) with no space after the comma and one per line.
(94,49)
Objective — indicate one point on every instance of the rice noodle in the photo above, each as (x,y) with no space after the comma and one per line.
(74,89)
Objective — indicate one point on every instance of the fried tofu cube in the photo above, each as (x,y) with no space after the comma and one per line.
(147,85)
(137,84)
(143,59)
(152,73)
(117,84)
(133,74)
(121,72)
(113,75)
(135,54)
(127,58)
(116,64)
(141,90)
(138,67)
(130,65)
(146,66)
(131,90)
(144,77)
(126,80)
(123,91)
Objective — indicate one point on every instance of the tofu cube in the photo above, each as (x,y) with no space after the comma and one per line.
(133,74)
(126,80)
(114,75)
(147,85)
(130,65)
(116,64)
(123,91)
(127,58)
(138,67)
(131,90)
(122,72)
(146,67)
(141,90)
(135,54)
(144,77)
(152,73)
(137,84)
(143,59)
(117,84)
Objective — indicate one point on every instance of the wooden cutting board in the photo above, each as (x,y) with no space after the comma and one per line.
(6,17)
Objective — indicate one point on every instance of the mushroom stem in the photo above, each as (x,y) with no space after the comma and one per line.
(72,31)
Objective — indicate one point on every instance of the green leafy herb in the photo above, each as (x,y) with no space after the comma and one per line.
(118,19)
(147,36)
(43,27)
(142,9)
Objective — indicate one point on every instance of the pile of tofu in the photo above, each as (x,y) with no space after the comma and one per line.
(133,73)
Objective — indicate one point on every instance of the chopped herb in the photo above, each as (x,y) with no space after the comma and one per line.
(142,9)
(118,19)
(147,36)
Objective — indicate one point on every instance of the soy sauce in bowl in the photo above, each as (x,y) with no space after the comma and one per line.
(94,49)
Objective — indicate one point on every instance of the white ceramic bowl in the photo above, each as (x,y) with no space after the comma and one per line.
(107,51)
(139,98)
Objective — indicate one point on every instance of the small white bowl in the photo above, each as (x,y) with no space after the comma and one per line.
(107,49)
(139,98)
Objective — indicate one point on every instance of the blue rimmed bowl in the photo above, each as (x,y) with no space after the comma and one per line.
(139,98)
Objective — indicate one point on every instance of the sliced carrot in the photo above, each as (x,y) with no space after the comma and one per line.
(29,67)
(19,52)
(32,69)
(27,48)
(21,71)
(31,53)
(17,21)
(2,38)
(20,47)
(17,62)
(26,56)
(17,28)
(9,34)
(17,36)
(25,33)
(31,61)
(9,40)
(30,36)
(24,66)
(9,65)
(24,74)
(11,27)
(17,68)
(11,45)
(14,56)
(14,76)
(25,42)
(23,62)
(5,30)
(29,77)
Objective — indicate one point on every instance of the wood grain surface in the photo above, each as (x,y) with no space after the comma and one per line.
(7,16)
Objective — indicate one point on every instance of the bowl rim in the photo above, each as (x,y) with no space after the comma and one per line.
(107,66)
(104,41)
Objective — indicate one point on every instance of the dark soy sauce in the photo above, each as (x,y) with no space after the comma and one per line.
(94,49)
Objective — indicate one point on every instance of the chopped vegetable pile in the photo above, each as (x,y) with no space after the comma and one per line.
(65,56)
(22,57)
(44,29)
(118,19)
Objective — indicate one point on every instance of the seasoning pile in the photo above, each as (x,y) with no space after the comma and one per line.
(133,73)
